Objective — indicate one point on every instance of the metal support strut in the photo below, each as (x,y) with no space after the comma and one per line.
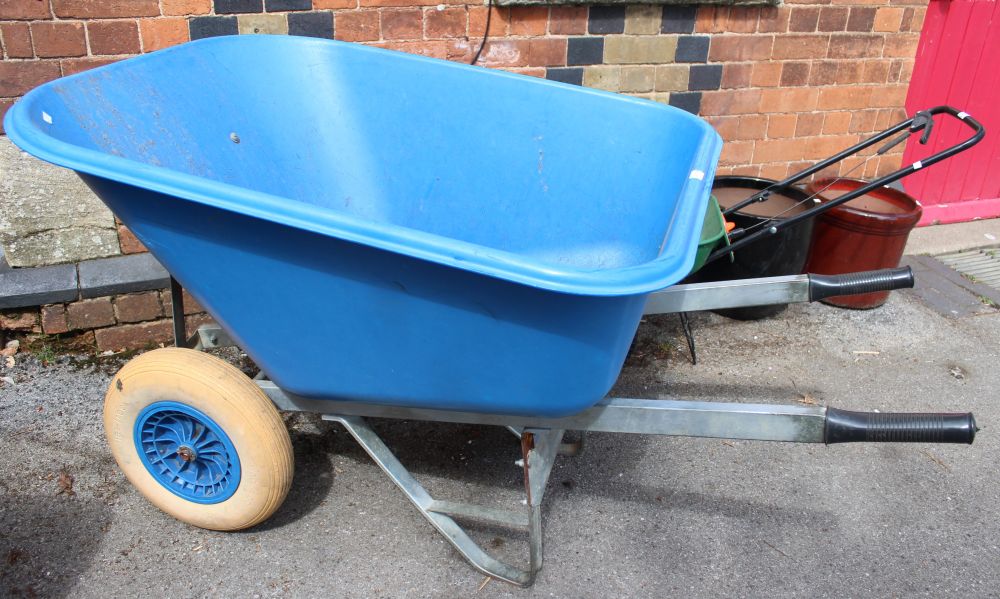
(177,312)
(538,451)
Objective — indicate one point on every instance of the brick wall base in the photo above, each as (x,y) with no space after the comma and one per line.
(121,322)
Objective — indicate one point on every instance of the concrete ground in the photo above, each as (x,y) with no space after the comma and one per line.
(633,516)
(943,239)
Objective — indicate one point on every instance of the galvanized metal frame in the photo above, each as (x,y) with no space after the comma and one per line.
(538,450)
(739,293)
(541,438)
(541,441)
(756,422)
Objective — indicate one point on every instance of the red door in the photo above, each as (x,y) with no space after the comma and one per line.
(958,63)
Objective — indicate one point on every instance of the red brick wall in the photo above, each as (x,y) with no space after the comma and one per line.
(829,75)
(128,321)
(783,85)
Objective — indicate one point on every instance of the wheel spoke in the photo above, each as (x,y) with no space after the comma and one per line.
(187,428)
(200,432)
(170,430)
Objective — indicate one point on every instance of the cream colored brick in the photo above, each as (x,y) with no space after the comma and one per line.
(639,50)
(663,98)
(275,24)
(637,79)
(643,20)
(671,78)
(603,77)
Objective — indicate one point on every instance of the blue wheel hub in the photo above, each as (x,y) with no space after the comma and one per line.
(187,452)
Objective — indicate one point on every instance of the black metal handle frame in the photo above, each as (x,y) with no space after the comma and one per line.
(922,121)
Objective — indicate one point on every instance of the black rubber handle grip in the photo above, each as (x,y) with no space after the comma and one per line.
(871,281)
(843,426)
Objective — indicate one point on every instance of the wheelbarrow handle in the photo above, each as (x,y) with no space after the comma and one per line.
(742,293)
(844,426)
(855,283)
(920,121)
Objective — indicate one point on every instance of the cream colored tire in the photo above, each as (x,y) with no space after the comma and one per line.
(234,404)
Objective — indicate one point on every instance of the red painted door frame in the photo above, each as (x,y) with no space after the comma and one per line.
(958,63)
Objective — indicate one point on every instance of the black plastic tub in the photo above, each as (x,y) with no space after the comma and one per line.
(784,253)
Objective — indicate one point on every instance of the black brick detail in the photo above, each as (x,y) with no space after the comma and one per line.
(692,48)
(705,76)
(311,24)
(282,5)
(238,6)
(689,101)
(202,27)
(678,19)
(606,19)
(24,287)
(121,274)
(585,50)
(572,75)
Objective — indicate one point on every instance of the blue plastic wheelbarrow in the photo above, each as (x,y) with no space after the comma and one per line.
(389,235)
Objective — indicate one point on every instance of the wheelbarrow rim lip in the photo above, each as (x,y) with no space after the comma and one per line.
(673,263)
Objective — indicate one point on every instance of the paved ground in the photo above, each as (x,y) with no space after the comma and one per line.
(954,237)
(633,516)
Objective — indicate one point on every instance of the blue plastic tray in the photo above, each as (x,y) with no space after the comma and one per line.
(381,227)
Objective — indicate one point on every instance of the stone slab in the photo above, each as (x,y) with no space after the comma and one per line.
(48,215)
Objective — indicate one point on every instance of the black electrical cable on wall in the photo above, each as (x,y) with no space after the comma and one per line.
(486,31)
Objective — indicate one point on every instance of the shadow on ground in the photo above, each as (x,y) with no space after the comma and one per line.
(46,543)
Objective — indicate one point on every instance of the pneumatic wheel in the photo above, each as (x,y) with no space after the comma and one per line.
(198,438)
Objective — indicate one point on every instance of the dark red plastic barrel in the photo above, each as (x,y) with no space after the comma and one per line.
(867,233)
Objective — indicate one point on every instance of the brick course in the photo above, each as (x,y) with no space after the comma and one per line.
(113,37)
(54,319)
(90,314)
(138,307)
(24,9)
(104,9)
(17,40)
(134,336)
(357,26)
(131,321)
(55,39)
(157,34)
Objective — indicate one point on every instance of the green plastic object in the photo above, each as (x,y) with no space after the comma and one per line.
(713,231)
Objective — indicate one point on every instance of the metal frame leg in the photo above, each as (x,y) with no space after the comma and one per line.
(686,325)
(571,448)
(538,448)
(177,313)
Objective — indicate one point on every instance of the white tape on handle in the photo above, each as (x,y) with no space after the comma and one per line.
(963,115)
(918,165)
(697,175)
